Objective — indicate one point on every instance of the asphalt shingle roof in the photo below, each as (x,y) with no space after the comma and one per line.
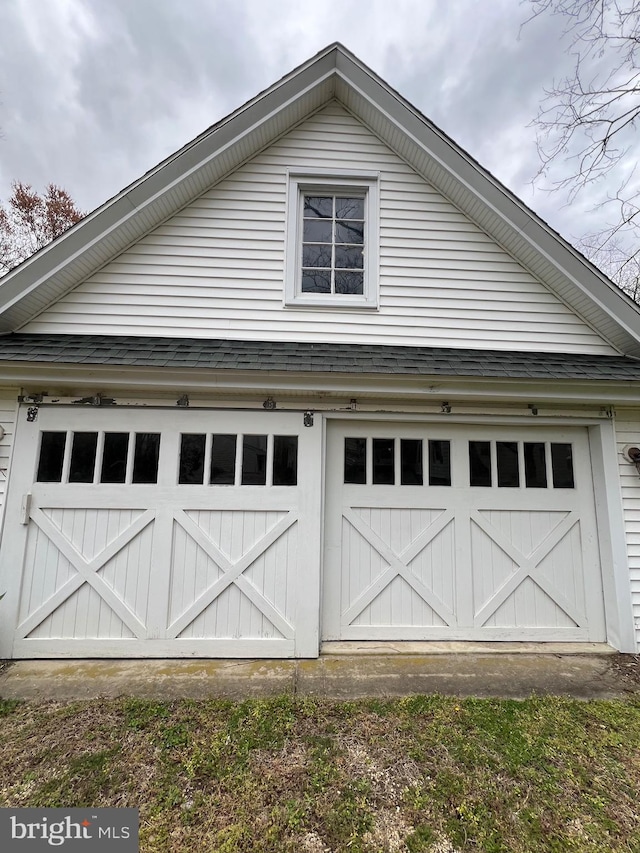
(311,357)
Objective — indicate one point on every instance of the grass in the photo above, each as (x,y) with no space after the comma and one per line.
(416,774)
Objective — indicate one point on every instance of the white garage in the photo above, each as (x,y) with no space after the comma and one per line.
(315,377)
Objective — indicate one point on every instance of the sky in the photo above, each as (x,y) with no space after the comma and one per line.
(93,93)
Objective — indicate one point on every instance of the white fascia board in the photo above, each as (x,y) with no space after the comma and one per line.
(38,378)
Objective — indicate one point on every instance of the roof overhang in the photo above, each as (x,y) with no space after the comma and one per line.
(333,73)
(61,363)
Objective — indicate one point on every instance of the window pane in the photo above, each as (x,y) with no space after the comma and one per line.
(480,463)
(285,460)
(316,255)
(145,458)
(114,457)
(223,460)
(349,257)
(507,459)
(411,462)
(318,206)
(83,457)
(355,460)
(191,459)
(254,460)
(562,466)
(439,463)
(350,232)
(535,468)
(52,446)
(349,282)
(316,281)
(349,208)
(317,231)
(383,461)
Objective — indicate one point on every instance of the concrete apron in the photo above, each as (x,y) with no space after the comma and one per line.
(343,671)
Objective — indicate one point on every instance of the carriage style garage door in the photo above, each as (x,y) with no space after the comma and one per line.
(135,532)
(457,532)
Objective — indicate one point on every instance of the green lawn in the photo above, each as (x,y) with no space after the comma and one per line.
(416,774)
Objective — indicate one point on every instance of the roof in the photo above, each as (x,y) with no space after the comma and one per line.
(334,73)
(311,357)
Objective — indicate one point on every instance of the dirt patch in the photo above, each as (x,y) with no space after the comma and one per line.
(626,669)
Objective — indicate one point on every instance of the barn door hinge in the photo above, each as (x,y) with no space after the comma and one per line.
(25,508)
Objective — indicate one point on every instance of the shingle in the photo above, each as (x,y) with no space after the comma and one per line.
(313,357)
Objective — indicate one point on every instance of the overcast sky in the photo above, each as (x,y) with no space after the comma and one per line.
(95,92)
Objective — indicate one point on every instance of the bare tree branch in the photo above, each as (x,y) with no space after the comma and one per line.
(588,123)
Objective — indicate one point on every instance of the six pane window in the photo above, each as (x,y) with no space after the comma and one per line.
(333,244)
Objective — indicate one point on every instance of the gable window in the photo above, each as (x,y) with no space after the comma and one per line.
(332,240)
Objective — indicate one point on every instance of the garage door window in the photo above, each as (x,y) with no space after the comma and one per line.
(111,457)
(226,459)
(396,462)
(535,459)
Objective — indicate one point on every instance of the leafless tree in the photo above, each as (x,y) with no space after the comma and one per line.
(588,122)
(30,221)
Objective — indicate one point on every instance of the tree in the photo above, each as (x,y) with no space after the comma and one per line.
(30,221)
(589,122)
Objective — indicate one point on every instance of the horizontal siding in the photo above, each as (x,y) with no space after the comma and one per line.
(216,268)
(628,432)
(8,415)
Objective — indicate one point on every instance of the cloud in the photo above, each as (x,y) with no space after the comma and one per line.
(96,92)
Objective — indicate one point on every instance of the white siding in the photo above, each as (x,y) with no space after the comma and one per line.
(8,412)
(216,269)
(628,432)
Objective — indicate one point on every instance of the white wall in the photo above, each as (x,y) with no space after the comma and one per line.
(628,432)
(8,415)
(216,269)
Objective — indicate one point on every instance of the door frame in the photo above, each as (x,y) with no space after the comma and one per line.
(610,529)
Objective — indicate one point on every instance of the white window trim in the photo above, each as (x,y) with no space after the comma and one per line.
(326,180)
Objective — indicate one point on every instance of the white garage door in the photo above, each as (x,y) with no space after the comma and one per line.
(451,532)
(135,532)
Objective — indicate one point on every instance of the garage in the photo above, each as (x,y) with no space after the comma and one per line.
(162,532)
(460,532)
